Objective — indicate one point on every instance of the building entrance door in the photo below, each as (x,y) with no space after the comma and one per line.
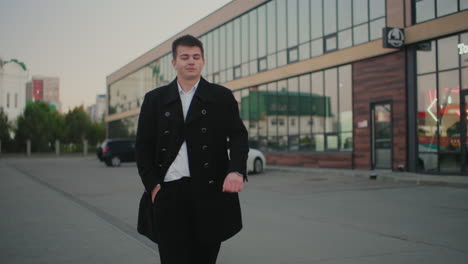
(464,131)
(381,133)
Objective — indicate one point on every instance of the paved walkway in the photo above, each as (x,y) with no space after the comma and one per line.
(41,224)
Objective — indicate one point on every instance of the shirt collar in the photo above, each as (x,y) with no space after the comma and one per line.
(191,91)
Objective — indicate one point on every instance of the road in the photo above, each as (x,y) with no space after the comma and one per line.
(76,210)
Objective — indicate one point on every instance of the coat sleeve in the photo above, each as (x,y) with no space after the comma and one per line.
(146,144)
(238,139)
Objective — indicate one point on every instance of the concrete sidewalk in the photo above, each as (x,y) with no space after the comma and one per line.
(39,224)
(386,175)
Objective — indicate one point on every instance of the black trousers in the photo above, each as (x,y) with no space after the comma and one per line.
(178,227)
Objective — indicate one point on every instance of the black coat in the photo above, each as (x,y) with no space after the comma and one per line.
(212,126)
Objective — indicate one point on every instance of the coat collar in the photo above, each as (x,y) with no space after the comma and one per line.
(202,93)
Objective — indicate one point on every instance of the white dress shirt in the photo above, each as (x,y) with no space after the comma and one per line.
(180,167)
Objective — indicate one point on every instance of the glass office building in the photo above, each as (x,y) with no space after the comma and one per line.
(316,87)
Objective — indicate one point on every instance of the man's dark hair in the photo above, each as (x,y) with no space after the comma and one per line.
(186,40)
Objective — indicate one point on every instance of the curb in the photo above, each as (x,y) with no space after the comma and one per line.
(387,175)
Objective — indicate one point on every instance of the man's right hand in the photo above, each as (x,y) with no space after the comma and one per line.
(154,192)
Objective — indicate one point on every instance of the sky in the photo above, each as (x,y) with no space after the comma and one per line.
(84,41)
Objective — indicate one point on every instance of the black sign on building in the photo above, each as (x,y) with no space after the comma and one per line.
(393,38)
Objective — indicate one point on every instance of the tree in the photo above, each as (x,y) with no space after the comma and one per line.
(39,123)
(97,133)
(5,128)
(78,125)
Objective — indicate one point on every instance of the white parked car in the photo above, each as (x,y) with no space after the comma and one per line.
(256,161)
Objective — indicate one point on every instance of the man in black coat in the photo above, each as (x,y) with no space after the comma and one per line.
(191,151)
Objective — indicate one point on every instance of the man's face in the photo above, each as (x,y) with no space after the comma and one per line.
(189,62)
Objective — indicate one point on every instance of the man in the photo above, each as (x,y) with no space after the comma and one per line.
(184,132)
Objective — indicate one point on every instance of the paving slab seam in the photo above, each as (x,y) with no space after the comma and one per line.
(381,234)
(110,220)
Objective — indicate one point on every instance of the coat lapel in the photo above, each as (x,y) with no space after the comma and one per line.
(172,103)
(197,107)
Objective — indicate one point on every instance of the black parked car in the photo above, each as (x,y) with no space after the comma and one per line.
(115,151)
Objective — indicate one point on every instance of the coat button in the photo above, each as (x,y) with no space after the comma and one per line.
(167,114)
(206,165)
(163,150)
(203,130)
(205,147)
(160,165)
(166,132)
(203,112)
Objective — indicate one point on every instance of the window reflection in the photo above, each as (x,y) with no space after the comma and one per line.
(439,106)
(445,7)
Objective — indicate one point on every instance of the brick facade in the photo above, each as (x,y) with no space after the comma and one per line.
(380,79)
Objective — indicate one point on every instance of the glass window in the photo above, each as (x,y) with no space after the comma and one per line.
(237,42)
(318,103)
(281,24)
(445,7)
(282,58)
(426,59)
(245,38)
(447,53)
(262,29)
(209,53)
(345,39)
(262,64)
(331,100)
(293,113)
(425,10)
(229,74)
(304,51)
(8,100)
(449,103)
(317,48)
(237,72)
(262,117)
(223,49)
(316,19)
(271,26)
(292,23)
(16,100)
(361,34)
(305,104)
(344,14)
(253,34)
(427,113)
(377,8)
(282,111)
(271,116)
(360,11)
(271,61)
(330,43)
(293,55)
(464,73)
(464,57)
(330,16)
(463,5)
(216,51)
(229,46)
(376,28)
(449,123)
(253,66)
(304,21)
(245,69)
(345,98)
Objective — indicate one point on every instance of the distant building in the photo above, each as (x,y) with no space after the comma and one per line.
(97,110)
(13,78)
(46,89)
